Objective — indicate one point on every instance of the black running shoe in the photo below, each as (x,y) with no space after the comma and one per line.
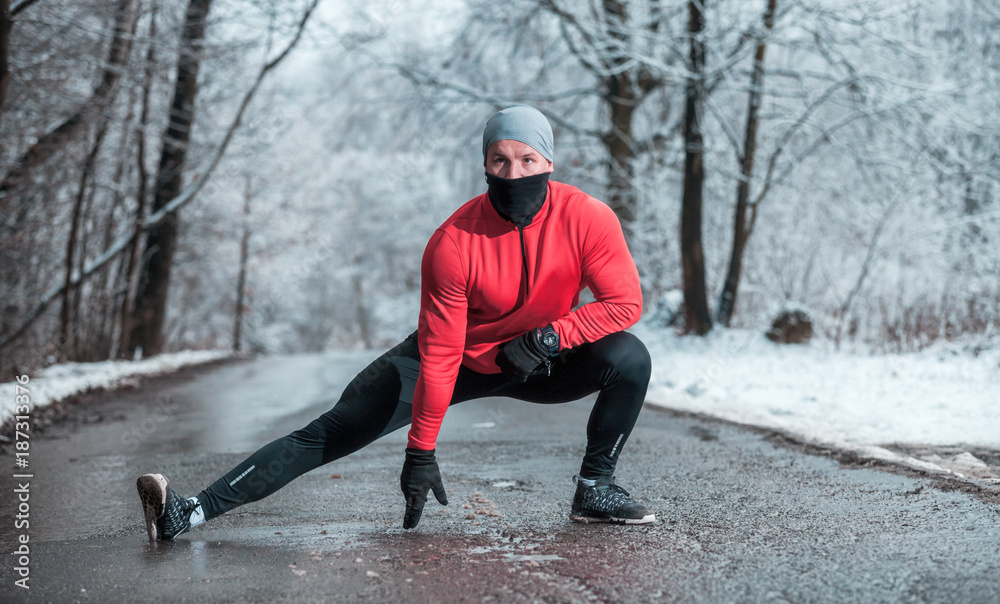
(607,502)
(167,513)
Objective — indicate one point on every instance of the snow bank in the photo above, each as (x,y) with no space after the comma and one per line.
(941,396)
(60,381)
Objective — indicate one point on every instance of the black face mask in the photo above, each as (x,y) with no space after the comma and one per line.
(518,199)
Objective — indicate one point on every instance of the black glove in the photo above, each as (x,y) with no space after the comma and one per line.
(522,355)
(420,474)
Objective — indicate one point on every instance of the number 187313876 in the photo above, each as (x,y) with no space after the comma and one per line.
(22,425)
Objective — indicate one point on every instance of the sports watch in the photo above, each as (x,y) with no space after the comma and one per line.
(550,339)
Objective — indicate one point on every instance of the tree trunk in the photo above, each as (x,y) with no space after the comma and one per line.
(742,226)
(66,351)
(185,197)
(241,281)
(697,316)
(620,95)
(154,283)
(623,87)
(621,100)
(5,24)
(95,109)
(81,327)
(360,308)
(109,279)
(142,194)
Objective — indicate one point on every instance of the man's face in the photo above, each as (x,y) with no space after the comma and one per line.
(513,159)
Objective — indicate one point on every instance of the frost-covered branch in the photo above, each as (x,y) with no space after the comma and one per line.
(866,267)
(50,143)
(20,6)
(178,202)
(420,77)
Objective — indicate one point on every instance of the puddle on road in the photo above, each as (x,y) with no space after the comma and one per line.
(503,552)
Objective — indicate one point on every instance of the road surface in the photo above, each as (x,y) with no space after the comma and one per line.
(739,518)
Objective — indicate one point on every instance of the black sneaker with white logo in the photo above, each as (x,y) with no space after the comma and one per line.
(167,513)
(605,501)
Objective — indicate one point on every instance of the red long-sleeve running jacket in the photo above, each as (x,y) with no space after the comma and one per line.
(482,285)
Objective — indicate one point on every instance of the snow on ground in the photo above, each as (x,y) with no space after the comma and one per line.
(940,399)
(57,382)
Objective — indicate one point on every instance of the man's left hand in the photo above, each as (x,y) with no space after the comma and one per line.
(519,357)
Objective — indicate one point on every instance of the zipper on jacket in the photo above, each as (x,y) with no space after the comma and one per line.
(524,260)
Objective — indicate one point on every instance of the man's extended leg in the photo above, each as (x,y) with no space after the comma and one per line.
(375,403)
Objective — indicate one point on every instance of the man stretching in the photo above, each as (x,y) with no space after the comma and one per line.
(500,286)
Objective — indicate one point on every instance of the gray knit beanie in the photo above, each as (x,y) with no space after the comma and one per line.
(520,123)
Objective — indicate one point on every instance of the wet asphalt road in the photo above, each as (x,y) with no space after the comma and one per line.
(739,520)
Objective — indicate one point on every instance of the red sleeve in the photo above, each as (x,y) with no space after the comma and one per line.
(444,308)
(610,273)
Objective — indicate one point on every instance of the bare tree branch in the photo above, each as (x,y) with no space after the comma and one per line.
(141,195)
(20,6)
(185,197)
(727,129)
(422,78)
(576,52)
(5,26)
(866,267)
(988,8)
(712,83)
(771,181)
(790,132)
(49,144)
(568,18)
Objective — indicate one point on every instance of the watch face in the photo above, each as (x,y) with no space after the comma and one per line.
(551,340)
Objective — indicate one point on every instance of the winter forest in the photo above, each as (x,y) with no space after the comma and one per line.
(262,176)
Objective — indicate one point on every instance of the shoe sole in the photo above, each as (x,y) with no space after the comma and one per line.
(153,494)
(647,519)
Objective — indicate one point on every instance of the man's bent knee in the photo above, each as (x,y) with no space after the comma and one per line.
(627,355)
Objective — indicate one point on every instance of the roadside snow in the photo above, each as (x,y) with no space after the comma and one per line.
(60,381)
(940,397)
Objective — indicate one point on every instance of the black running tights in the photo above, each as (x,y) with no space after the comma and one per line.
(379,401)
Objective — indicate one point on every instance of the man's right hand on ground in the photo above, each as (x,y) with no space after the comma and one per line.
(420,474)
